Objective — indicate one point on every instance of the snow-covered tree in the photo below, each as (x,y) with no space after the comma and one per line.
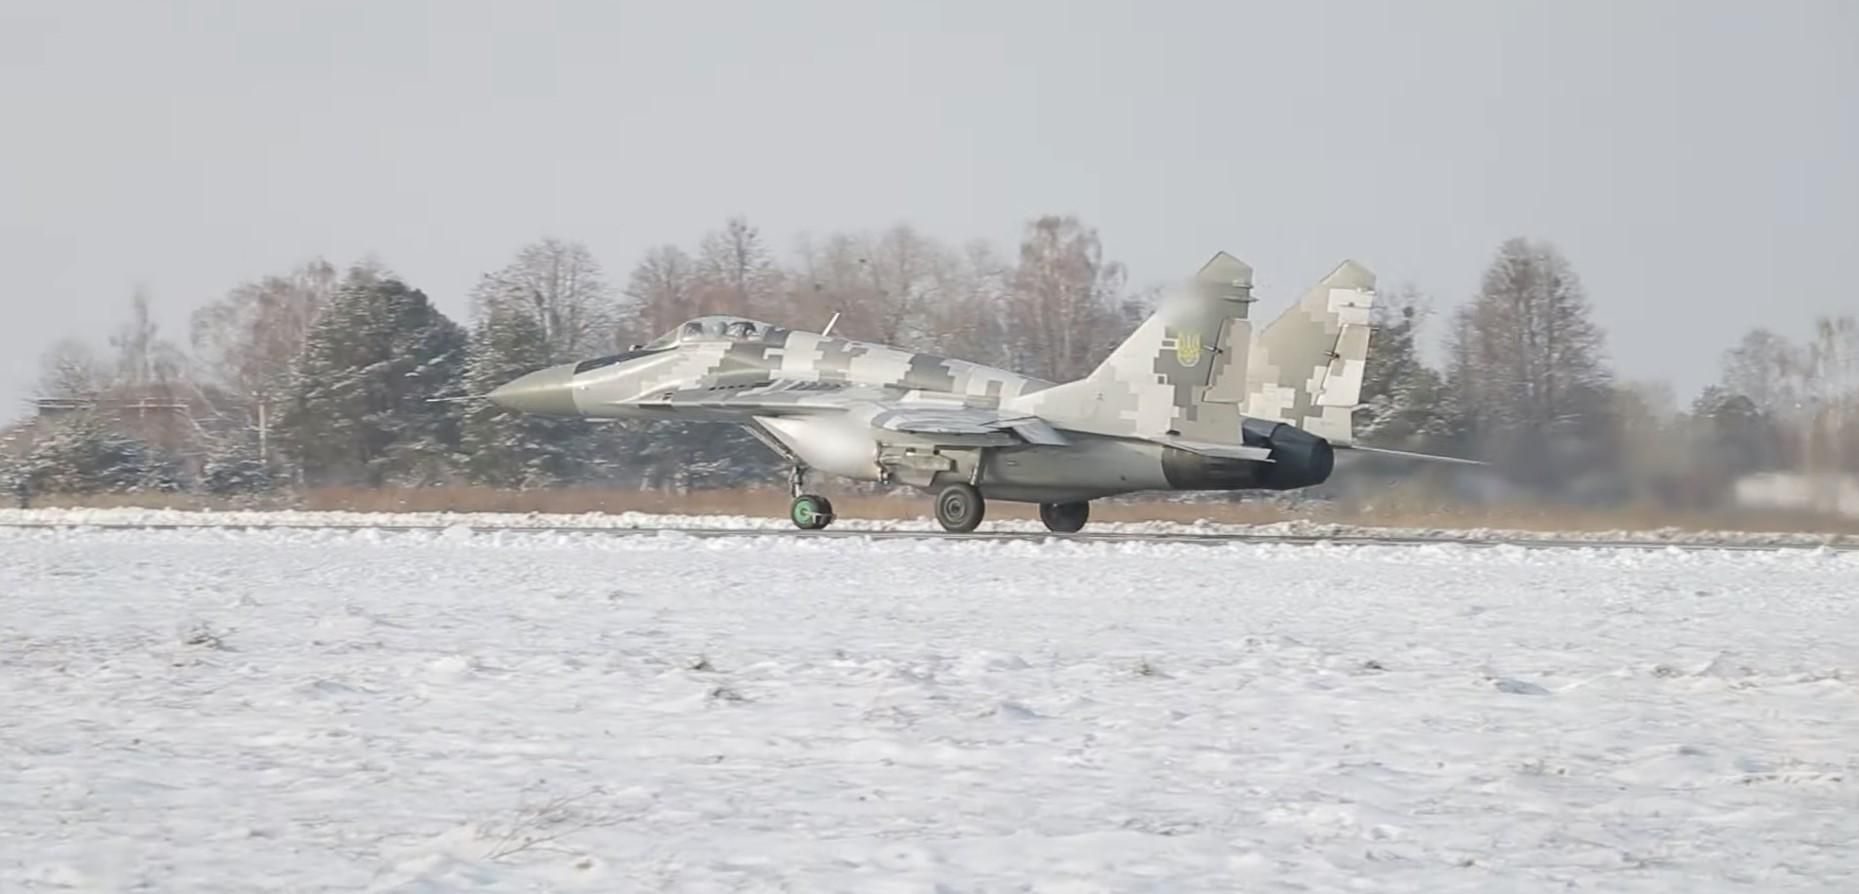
(245,344)
(235,466)
(1400,403)
(85,453)
(563,290)
(506,449)
(358,409)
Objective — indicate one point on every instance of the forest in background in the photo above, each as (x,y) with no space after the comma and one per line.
(320,377)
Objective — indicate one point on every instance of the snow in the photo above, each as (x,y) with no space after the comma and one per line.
(133,517)
(457,710)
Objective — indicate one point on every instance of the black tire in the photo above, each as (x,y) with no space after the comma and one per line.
(959,508)
(1065,518)
(810,512)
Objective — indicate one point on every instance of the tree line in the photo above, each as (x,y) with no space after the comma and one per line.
(321,377)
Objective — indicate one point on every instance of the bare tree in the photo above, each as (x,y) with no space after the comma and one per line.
(562,288)
(1832,395)
(1810,390)
(70,369)
(833,276)
(882,284)
(144,359)
(903,267)
(968,317)
(736,275)
(662,291)
(247,340)
(1065,298)
(1769,370)
(1528,378)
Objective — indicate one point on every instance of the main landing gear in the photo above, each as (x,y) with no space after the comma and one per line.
(809,512)
(1065,518)
(959,508)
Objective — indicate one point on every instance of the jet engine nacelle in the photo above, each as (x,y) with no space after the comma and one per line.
(1299,458)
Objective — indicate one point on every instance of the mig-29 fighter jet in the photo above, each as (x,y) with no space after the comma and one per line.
(1193,400)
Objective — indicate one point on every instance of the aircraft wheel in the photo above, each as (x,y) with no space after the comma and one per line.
(959,508)
(1065,518)
(811,512)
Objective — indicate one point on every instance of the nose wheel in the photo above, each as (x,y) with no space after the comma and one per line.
(811,512)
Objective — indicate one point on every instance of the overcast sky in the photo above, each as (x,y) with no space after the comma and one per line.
(1697,161)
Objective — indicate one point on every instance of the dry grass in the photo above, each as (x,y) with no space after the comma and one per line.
(1394,509)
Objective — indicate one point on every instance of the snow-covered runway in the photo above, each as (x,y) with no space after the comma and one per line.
(358,710)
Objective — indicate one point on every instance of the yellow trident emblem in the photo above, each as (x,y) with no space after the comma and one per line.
(1188,348)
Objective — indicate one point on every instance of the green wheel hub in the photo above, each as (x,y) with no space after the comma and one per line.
(810,512)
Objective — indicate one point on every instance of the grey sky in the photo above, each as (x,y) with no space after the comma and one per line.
(1698,162)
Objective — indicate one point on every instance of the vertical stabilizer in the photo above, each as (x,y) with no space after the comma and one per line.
(1159,381)
(1306,367)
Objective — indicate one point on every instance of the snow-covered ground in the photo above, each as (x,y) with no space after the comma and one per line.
(278,710)
(130,517)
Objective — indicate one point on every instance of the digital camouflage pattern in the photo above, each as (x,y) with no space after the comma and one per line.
(1167,406)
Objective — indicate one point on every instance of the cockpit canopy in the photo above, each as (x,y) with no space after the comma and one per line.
(715,328)
(711,328)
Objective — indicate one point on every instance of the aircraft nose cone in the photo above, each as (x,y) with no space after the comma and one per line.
(545,391)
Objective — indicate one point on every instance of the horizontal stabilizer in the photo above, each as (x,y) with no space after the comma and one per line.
(1408,454)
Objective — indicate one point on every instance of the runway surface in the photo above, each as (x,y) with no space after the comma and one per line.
(1201,539)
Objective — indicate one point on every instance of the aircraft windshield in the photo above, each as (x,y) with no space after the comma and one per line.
(707,328)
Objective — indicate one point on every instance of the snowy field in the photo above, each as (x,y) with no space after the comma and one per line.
(213,710)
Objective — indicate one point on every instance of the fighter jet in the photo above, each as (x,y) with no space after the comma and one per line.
(1193,400)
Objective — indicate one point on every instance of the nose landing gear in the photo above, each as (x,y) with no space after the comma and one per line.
(809,512)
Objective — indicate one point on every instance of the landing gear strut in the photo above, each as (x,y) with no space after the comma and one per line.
(809,512)
(959,508)
(1064,518)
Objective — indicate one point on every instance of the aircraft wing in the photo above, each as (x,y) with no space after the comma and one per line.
(936,419)
(961,421)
